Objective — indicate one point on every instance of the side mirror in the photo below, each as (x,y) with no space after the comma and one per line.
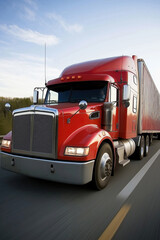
(126,95)
(83,105)
(8,106)
(35,96)
(107,115)
(126,92)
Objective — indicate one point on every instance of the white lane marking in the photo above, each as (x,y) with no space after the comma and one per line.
(128,189)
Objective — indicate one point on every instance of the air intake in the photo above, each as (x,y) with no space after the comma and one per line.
(35,132)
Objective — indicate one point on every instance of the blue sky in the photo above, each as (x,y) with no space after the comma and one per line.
(74,31)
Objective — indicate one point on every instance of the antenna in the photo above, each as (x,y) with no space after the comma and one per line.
(45,63)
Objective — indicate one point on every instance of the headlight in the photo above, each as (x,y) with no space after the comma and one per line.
(6,143)
(77,151)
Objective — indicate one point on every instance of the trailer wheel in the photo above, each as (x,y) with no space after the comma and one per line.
(150,139)
(146,148)
(140,149)
(103,167)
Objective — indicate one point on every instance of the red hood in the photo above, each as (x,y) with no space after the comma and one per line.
(70,108)
(78,121)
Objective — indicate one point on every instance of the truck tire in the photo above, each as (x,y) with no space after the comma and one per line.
(140,149)
(103,167)
(146,146)
(150,139)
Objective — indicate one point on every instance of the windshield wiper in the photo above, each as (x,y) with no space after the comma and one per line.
(75,100)
(51,102)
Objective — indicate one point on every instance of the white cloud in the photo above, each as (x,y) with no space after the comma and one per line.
(29,14)
(29,35)
(18,77)
(29,8)
(67,27)
(31,3)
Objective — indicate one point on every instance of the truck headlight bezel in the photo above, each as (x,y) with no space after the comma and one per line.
(76,151)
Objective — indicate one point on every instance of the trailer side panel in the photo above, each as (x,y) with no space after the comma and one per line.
(149,102)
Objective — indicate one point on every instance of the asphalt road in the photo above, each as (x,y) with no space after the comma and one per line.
(37,209)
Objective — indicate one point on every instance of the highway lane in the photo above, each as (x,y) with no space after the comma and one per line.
(37,209)
(143,219)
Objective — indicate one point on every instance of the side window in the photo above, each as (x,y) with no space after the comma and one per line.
(134,104)
(113,95)
(52,97)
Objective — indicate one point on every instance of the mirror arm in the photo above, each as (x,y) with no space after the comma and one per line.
(69,119)
(82,106)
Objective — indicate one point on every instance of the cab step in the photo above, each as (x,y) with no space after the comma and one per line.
(120,151)
(124,162)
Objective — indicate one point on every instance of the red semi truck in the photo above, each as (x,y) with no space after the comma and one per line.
(117,115)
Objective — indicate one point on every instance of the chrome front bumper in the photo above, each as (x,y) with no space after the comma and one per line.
(53,170)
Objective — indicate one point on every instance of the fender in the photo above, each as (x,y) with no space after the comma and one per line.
(87,136)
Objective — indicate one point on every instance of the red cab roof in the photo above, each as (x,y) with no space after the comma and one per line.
(122,63)
(96,70)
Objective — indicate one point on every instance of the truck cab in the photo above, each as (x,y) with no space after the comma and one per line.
(87,124)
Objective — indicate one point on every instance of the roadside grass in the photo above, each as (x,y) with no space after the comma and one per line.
(6,116)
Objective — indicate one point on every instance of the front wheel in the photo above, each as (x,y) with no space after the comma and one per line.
(103,167)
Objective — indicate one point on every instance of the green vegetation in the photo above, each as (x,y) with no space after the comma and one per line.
(6,116)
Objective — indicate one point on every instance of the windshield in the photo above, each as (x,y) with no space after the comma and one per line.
(75,92)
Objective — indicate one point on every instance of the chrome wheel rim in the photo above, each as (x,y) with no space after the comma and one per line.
(105,166)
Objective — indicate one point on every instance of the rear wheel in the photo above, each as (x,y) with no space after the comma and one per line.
(140,149)
(146,149)
(150,139)
(103,167)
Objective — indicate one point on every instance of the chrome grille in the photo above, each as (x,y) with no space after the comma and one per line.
(35,132)
(21,132)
